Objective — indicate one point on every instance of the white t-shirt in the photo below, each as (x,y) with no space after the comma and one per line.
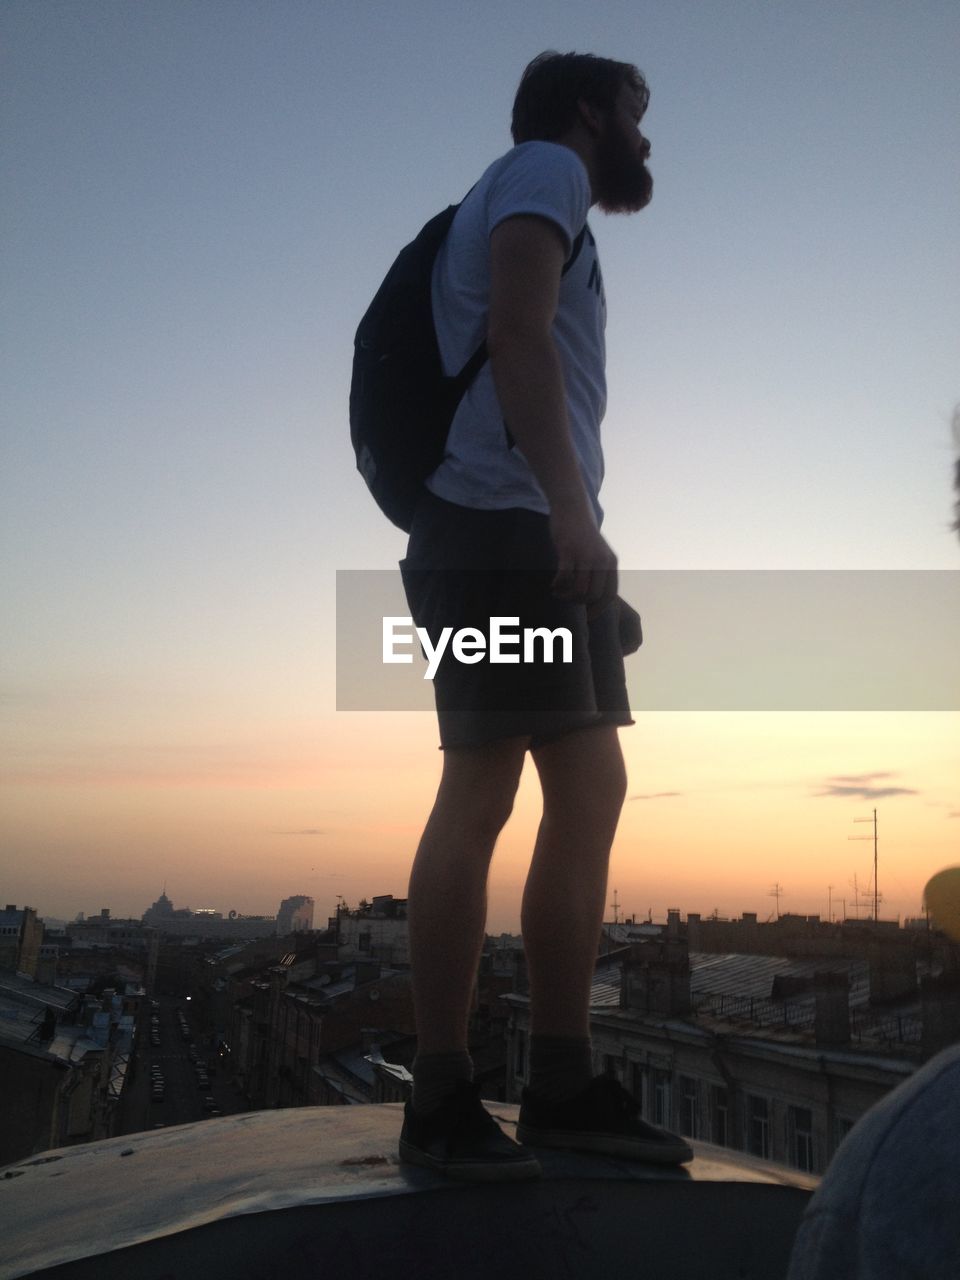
(481,468)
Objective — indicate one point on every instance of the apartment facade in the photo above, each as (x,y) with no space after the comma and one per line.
(783,1078)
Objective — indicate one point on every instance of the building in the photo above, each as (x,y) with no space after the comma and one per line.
(298,1024)
(63,1063)
(295,914)
(205,923)
(776,1056)
(21,939)
(162,912)
(102,931)
(375,930)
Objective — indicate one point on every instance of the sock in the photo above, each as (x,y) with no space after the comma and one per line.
(560,1066)
(435,1076)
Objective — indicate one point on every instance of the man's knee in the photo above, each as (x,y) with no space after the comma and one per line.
(479,787)
(486,815)
(586,771)
(605,788)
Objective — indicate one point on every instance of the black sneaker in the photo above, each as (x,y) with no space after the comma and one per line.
(462,1140)
(604,1119)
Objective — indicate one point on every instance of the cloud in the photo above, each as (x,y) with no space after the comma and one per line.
(657,795)
(955,813)
(862,787)
(306,831)
(858,778)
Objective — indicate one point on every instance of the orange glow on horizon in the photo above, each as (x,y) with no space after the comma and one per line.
(720,808)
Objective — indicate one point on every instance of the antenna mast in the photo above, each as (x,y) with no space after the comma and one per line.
(876,886)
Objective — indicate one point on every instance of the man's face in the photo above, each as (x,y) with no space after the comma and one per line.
(624,183)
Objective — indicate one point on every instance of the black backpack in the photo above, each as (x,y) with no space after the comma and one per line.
(401,403)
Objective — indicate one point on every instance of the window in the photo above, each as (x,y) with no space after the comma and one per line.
(800,1138)
(758,1127)
(661,1098)
(610,1066)
(363,941)
(638,1086)
(720,1116)
(689,1107)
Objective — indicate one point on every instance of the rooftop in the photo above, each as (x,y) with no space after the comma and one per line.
(287,1192)
(773,997)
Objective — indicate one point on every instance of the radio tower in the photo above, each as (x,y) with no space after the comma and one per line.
(876,886)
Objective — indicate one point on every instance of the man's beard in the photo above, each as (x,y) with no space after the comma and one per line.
(624,183)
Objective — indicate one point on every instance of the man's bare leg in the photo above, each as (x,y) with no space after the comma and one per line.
(584,783)
(566,1106)
(448,887)
(445,1125)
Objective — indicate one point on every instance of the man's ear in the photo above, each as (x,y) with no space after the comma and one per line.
(591,116)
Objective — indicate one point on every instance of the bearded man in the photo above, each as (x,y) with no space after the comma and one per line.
(509,526)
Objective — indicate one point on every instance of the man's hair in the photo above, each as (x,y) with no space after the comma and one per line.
(546,103)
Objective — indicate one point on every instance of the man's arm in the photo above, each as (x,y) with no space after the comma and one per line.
(526,262)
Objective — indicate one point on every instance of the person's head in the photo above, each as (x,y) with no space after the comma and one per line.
(567,95)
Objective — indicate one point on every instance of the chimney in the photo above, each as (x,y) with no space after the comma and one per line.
(832,1018)
(656,977)
(673,923)
(693,930)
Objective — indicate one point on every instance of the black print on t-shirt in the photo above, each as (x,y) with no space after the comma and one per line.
(596,281)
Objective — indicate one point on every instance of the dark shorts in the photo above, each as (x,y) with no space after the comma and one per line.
(465,566)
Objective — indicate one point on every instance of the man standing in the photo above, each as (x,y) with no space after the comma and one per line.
(510,526)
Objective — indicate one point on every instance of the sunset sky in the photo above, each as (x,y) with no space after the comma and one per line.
(199,199)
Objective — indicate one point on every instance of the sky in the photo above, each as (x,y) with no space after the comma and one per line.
(199,199)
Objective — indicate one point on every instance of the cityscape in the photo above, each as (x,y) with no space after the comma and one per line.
(183,1015)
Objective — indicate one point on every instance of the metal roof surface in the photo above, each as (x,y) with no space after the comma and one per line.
(162,1190)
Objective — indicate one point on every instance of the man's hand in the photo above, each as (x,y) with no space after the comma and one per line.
(631,632)
(586,566)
